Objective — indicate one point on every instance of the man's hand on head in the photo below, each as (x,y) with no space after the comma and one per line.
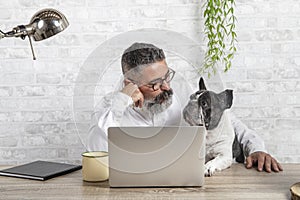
(263,161)
(133,91)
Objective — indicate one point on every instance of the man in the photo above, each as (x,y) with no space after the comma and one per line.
(147,100)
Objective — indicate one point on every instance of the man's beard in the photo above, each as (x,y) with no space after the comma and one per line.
(160,103)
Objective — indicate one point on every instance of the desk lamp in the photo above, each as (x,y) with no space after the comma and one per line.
(44,24)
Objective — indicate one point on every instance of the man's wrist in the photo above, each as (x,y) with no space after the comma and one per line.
(256,151)
(121,100)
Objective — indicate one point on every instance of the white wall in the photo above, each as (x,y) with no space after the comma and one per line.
(36,113)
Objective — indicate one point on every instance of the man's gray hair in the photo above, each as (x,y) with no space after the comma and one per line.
(140,54)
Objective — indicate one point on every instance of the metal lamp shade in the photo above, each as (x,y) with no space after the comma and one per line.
(46,23)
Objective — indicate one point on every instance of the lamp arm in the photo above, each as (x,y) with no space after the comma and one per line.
(8,34)
(2,35)
(20,31)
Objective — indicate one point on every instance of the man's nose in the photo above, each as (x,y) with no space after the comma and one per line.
(165,85)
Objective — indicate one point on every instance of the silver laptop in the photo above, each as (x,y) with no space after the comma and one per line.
(156,156)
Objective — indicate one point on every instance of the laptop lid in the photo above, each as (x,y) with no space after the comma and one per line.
(156,156)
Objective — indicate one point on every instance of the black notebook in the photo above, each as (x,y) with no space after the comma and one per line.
(40,170)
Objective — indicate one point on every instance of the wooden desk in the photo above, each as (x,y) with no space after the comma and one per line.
(233,183)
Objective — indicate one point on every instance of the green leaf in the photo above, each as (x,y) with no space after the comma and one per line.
(220,35)
(206,13)
(218,27)
(233,34)
(224,29)
(227,66)
(219,10)
(230,56)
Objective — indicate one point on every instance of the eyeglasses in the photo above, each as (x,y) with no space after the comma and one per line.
(157,83)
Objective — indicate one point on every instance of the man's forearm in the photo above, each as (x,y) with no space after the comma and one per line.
(249,141)
(109,112)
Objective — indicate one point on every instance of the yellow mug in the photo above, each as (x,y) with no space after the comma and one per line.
(95,166)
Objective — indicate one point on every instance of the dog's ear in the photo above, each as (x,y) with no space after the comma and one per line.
(226,98)
(201,84)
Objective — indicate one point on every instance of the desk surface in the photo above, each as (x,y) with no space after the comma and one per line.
(233,183)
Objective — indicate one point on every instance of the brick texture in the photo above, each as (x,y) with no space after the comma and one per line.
(37,117)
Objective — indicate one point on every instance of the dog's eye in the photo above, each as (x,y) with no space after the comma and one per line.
(203,103)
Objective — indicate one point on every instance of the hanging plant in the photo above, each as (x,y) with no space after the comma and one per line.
(219,28)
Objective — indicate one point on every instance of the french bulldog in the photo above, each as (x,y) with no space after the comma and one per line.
(209,109)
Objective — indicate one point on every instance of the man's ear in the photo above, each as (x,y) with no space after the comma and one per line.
(201,84)
(226,97)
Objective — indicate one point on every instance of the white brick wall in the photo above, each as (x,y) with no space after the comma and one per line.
(36,113)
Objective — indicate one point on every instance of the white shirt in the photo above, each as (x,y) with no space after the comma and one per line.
(116,109)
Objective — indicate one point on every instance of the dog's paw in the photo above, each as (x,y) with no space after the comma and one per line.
(209,170)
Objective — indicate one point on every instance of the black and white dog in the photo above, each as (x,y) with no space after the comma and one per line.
(209,109)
